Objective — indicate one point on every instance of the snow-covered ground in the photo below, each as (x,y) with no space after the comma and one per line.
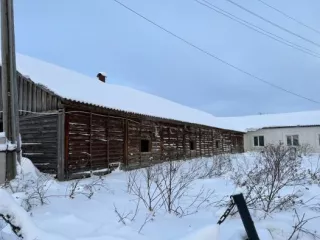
(106,208)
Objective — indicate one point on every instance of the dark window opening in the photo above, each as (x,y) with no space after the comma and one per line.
(145,145)
(191,145)
(261,141)
(258,141)
(293,140)
(217,144)
(1,126)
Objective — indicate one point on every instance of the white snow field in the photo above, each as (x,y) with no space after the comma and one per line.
(89,209)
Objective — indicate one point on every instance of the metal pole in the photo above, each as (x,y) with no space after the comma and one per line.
(245,217)
(14,88)
(7,88)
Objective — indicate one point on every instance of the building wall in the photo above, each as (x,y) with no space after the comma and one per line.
(96,141)
(39,136)
(307,135)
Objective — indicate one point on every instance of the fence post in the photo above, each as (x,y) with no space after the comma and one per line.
(245,216)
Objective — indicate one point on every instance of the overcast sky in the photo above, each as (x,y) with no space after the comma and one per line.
(99,35)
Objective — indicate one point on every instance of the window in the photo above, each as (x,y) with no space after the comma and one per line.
(217,144)
(258,141)
(191,145)
(293,140)
(145,145)
(1,126)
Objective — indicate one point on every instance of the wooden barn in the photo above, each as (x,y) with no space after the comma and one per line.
(72,124)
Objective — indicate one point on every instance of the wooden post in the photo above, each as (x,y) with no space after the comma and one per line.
(61,145)
(200,136)
(125,142)
(213,143)
(9,86)
(108,140)
(90,140)
(34,97)
(161,143)
(140,137)
(184,142)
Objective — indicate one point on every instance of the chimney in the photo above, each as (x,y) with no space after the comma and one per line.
(102,76)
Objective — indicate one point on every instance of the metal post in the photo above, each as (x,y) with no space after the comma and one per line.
(245,216)
(8,86)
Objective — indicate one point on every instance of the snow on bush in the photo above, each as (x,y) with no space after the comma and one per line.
(19,220)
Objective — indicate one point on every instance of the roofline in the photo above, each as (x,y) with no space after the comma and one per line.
(287,126)
(67,101)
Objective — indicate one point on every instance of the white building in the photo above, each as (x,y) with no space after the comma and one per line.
(291,129)
(288,135)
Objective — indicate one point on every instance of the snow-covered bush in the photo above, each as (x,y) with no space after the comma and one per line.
(271,181)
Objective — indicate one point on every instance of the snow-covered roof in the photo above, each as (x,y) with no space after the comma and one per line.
(254,122)
(78,87)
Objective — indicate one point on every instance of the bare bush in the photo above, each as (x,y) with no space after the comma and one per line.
(221,164)
(313,172)
(299,231)
(87,189)
(142,183)
(304,150)
(36,192)
(264,179)
(127,216)
(167,186)
(148,218)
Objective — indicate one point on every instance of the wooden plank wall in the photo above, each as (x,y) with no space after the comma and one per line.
(39,141)
(32,97)
(92,141)
(95,141)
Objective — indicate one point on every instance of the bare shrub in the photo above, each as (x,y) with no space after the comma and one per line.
(264,179)
(313,172)
(305,150)
(87,189)
(130,216)
(221,165)
(142,183)
(167,186)
(148,218)
(299,231)
(36,192)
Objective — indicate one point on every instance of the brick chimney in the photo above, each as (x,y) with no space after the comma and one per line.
(102,76)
